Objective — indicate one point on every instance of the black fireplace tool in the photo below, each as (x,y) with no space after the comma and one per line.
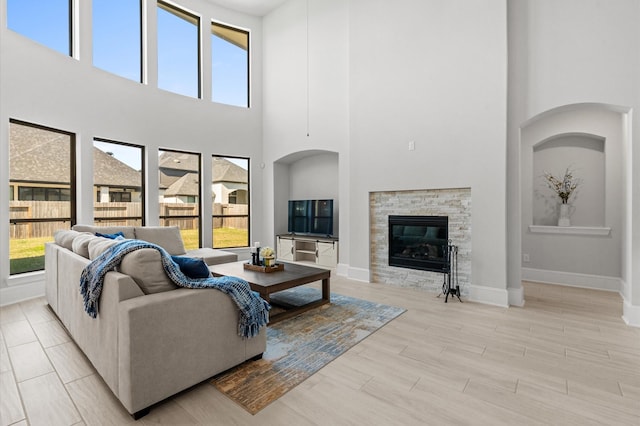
(450,274)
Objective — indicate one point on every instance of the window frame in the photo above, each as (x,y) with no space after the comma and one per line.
(182,13)
(248,215)
(143,174)
(248,64)
(162,218)
(141,72)
(72,183)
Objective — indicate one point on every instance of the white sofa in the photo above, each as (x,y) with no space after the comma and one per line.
(148,342)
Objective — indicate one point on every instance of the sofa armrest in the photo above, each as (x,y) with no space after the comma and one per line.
(170,341)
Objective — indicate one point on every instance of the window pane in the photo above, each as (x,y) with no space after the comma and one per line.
(230,189)
(117,184)
(40,167)
(178,51)
(46,22)
(230,65)
(117,37)
(179,177)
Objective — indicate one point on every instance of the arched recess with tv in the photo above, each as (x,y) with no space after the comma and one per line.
(305,175)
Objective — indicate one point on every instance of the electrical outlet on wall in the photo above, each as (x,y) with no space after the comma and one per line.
(525,257)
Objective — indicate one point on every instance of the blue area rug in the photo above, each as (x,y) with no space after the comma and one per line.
(300,346)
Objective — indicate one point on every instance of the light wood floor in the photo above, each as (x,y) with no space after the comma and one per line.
(566,358)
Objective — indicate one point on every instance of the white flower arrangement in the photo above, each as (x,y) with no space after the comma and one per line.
(563,187)
(266,252)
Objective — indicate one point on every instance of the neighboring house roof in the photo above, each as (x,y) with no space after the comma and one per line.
(186,185)
(37,155)
(179,161)
(226,171)
(33,149)
(109,171)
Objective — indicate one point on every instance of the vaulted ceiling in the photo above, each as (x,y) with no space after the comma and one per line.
(251,7)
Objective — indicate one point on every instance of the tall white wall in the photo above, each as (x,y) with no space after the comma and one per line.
(40,86)
(306,115)
(432,72)
(572,52)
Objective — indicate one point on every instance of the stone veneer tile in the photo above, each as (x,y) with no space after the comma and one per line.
(454,203)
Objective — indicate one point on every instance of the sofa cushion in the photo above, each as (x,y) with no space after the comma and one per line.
(145,267)
(81,242)
(213,256)
(126,230)
(98,245)
(192,266)
(65,237)
(167,237)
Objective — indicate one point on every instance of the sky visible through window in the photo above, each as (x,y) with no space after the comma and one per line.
(230,72)
(177,54)
(117,45)
(46,22)
(116,37)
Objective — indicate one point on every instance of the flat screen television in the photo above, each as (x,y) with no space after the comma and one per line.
(311,217)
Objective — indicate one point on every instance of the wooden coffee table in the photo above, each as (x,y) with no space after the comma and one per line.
(267,283)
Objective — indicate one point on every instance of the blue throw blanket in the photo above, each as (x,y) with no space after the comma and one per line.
(254,311)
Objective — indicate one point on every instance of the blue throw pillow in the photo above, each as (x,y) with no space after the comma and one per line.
(192,267)
(116,236)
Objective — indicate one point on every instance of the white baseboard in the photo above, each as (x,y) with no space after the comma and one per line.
(516,296)
(489,295)
(572,279)
(19,293)
(630,313)
(358,274)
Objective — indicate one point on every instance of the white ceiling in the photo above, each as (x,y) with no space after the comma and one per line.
(251,7)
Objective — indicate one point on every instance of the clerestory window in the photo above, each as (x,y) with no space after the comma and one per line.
(117,37)
(178,50)
(230,65)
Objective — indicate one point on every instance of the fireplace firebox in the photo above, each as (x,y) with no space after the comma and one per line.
(419,242)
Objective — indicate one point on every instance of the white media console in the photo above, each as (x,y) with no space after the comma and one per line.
(322,251)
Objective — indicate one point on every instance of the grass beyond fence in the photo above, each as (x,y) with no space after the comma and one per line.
(27,254)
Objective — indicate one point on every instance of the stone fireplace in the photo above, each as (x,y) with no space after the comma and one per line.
(452,204)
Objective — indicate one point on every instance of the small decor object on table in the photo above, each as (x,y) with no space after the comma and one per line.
(563,188)
(268,258)
(258,268)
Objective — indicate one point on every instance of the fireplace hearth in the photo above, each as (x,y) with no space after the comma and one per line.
(419,242)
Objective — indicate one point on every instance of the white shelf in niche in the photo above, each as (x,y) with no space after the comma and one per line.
(570,230)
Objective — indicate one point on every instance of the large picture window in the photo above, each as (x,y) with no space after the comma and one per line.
(230,191)
(180,177)
(230,65)
(47,22)
(41,174)
(117,37)
(178,50)
(118,177)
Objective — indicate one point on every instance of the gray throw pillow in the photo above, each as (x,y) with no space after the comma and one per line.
(80,244)
(145,267)
(98,245)
(65,237)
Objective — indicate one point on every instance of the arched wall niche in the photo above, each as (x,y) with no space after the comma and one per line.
(310,174)
(588,138)
(582,155)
